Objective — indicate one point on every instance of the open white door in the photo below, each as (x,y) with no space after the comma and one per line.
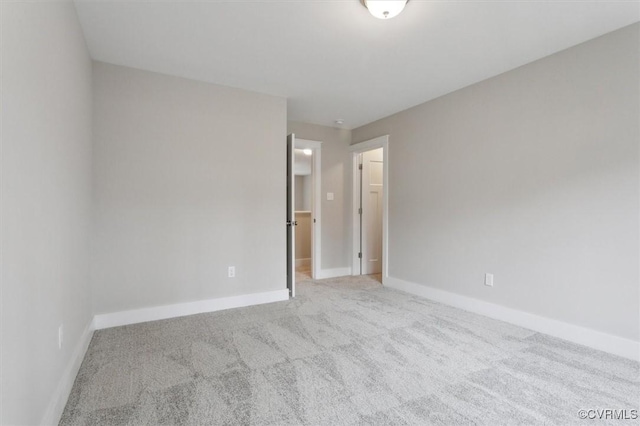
(372,210)
(291,221)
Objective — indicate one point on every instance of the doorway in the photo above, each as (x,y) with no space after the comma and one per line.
(370,207)
(303,210)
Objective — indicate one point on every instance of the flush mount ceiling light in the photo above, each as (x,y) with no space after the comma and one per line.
(385,9)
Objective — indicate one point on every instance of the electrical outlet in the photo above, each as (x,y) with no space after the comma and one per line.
(232,271)
(488,280)
(60,335)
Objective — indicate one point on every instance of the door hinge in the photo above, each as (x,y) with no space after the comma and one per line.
(360,210)
(360,166)
(359,255)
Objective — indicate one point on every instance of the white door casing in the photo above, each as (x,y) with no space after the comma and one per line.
(316,195)
(356,150)
(291,229)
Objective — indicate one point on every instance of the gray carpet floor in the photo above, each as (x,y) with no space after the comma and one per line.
(344,352)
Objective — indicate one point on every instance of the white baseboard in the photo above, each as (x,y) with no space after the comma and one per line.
(584,336)
(303,262)
(332,273)
(155,313)
(61,394)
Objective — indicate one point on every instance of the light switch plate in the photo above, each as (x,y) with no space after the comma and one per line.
(488,280)
(329,196)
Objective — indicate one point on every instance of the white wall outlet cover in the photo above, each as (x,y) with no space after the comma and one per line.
(232,271)
(488,280)
(329,196)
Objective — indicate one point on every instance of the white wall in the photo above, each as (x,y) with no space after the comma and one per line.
(303,192)
(335,178)
(173,207)
(46,205)
(307,193)
(533,176)
(303,235)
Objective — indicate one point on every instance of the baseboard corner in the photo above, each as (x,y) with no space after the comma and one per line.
(61,394)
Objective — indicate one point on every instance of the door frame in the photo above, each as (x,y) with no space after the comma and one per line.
(356,150)
(316,198)
(290,216)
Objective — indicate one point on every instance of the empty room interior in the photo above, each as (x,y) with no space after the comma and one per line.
(320,212)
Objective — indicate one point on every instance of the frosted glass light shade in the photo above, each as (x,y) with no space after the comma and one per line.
(385,9)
